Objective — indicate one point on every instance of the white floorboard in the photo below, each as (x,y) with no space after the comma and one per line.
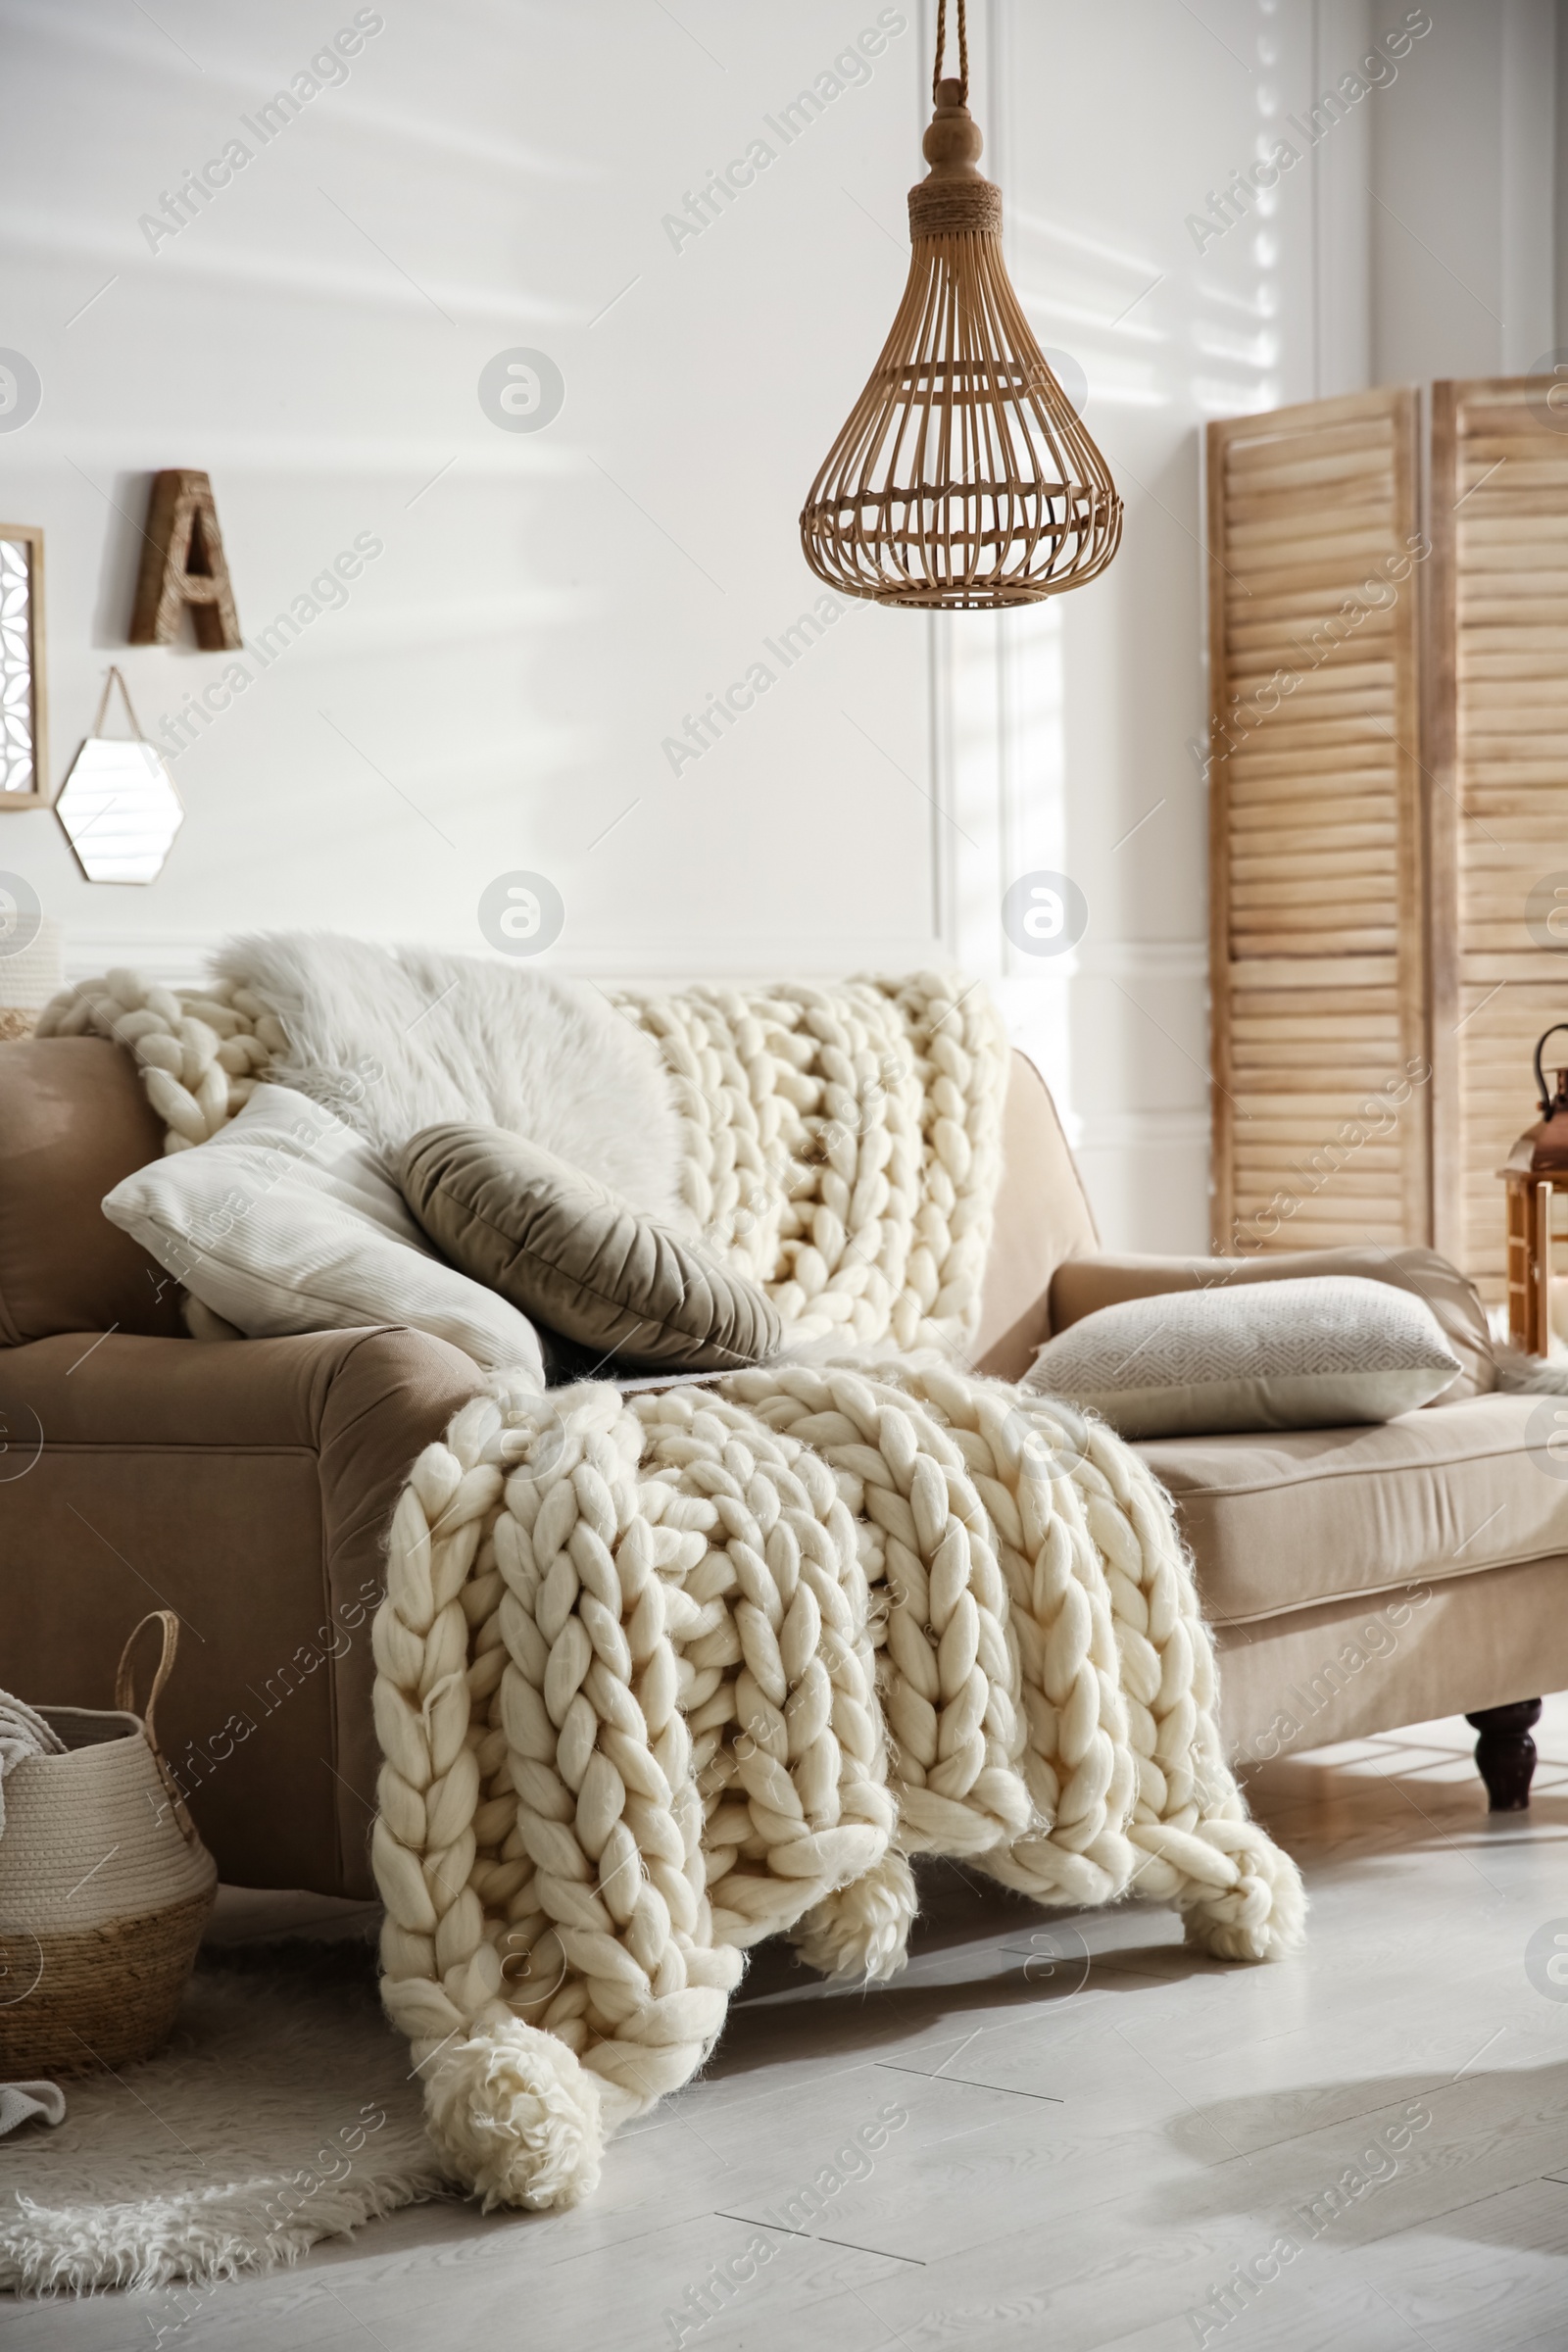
(1095,2130)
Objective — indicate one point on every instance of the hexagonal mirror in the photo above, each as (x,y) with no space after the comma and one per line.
(119,810)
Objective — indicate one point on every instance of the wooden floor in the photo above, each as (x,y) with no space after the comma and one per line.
(1075,2133)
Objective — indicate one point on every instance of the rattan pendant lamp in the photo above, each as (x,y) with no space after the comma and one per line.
(962,478)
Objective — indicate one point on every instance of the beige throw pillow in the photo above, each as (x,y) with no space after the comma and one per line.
(1084,1284)
(575,1257)
(286,1221)
(1311,1355)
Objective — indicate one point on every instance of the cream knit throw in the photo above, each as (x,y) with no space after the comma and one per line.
(661,1674)
(842,1145)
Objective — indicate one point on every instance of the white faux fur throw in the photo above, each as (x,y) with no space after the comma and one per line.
(457,1037)
(841,1145)
(393,1040)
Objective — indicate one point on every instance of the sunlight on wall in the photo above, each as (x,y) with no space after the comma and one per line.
(1235,329)
(1097,694)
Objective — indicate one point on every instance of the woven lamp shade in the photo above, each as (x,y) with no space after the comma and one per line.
(962,478)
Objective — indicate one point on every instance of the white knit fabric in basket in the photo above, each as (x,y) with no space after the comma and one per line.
(23,1733)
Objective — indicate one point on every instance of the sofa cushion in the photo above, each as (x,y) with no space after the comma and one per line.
(578,1258)
(73,1121)
(1311,1355)
(286,1221)
(1085,1284)
(1281,1519)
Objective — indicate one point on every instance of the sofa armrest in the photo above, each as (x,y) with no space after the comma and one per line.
(1081,1286)
(1072,1288)
(248,1488)
(1041,1214)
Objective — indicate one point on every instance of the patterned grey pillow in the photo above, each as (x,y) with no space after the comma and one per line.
(1309,1354)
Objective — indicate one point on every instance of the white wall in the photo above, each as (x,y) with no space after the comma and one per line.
(496,691)
(1462,245)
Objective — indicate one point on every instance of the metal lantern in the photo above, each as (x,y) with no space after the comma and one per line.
(1535,1174)
(962,478)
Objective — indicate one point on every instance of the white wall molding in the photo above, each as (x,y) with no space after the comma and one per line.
(1142,958)
(665,965)
(1144,1130)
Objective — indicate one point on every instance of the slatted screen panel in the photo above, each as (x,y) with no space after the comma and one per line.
(1496,745)
(1317,971)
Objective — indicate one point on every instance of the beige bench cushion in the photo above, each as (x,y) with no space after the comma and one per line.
(1281,1519)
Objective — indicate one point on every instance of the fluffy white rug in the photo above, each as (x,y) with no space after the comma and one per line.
(397,1039)
(280,2112)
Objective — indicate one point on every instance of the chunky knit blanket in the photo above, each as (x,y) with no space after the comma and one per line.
(659,1673)
(842,1146)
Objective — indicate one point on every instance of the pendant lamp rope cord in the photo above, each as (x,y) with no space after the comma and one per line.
(963,50)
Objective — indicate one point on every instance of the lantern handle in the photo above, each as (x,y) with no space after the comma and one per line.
(1540,1078)
(963,52)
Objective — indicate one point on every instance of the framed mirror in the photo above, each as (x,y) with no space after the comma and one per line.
(24,755)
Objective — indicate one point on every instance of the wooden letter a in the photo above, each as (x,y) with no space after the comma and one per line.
(182,563)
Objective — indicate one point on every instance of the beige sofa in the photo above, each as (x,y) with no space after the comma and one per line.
(1358,1579)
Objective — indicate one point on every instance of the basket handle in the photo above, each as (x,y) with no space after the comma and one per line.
(125,1698)
(125,1678)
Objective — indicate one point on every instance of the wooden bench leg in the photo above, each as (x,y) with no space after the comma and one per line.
(1505,1753)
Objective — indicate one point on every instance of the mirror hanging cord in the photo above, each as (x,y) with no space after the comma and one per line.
(113,679)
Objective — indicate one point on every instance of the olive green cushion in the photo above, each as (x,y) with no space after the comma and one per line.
(575,1257)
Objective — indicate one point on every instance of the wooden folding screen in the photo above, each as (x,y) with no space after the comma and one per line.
(1317,959)
(1495,690)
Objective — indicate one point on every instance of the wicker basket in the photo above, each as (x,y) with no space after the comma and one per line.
(105,1888)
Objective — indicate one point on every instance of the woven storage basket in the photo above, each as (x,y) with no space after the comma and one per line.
(105,1888)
